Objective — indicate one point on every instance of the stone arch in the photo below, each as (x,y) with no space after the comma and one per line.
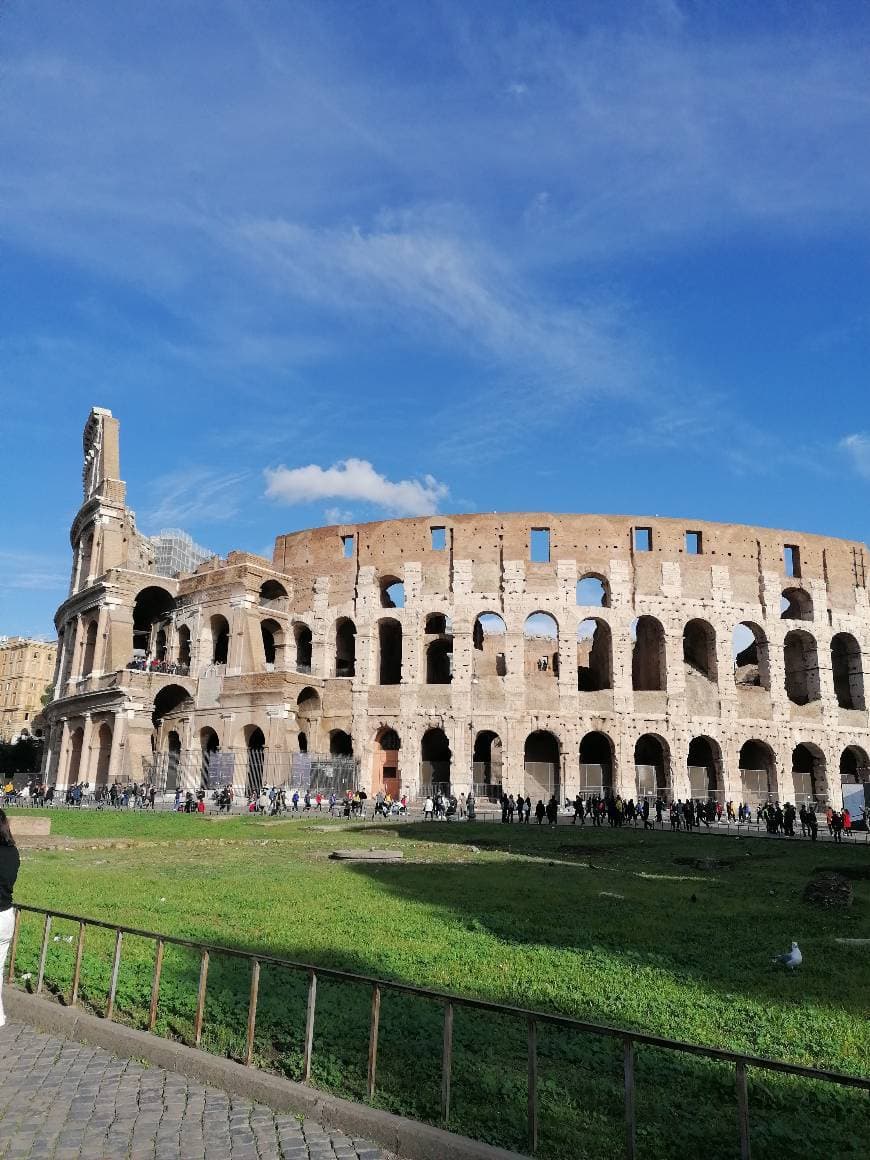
(796,604)
(219,629)
(169,702)
(809,774)
(542,764)
(152,607)
(389,651)
(90,648)
(594,655)
(648,655)
(435,761)
(173,759)
(104,755)
(308,701)
(751,656)
(437,624)
(848,671)
(652,763)
(854,766)
(308,713)
(439,661)
(704,768)
(340,743)
(86,556)
(488,765)
(699,648)
(76,740)
(541,647)
(801,660)
(303,641)
(273,642)
(255,747)
(302,742)
(597,764)
(273,595)
(182,646)
(160,645)
(345,647)
(757,772)
(386,761)
(392,592)
(593,591)
(489,638)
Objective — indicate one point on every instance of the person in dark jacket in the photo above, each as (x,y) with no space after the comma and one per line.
(9,863)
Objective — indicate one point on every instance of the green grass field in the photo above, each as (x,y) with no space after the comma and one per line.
(612,927)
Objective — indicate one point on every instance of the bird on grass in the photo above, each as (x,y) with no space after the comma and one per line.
(790,959)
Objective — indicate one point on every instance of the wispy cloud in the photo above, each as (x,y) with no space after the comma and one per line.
(33,571)
(355,479)
(857,448)
(337,515)
(194,495)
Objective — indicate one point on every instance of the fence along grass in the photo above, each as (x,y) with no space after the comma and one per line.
(554,1086)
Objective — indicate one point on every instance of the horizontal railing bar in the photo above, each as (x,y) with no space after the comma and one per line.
(566,1022)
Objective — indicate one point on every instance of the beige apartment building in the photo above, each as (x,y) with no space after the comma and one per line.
(26,670)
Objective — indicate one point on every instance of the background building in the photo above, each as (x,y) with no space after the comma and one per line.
(531,653)
(26,671)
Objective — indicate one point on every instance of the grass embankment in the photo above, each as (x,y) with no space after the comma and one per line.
(605,926)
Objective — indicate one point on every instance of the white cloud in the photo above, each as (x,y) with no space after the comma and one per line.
(857,447)
(355,479)
(337,515)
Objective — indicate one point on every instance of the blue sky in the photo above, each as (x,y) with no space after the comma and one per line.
(576,257)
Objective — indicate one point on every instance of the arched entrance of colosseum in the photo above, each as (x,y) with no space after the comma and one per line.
(541,647)
(273,595)
(809,775)
(854,766)
(104,753)
(385,772)
(751,657)
(801,660)
(596,765)
(592,591)
(340,743)
(345,648)
(152,609)
(182,646)
(701,668)
(308,719)
(489,637)
(648,663)
(488,763)
(542,761)
(76,740)
(704,761)
(255,765)
(594,656)
(652,765)
(90,649)
(273,644)
(848,671)
(757,773)
(435,762)
(302,640)
(389,651)
(209,745)
(173,762)
(220,639)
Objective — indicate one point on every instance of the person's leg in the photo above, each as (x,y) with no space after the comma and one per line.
(7,925)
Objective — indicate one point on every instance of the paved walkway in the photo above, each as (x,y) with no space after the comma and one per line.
(61,1100)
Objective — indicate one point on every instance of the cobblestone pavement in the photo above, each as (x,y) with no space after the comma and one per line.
(61,1100)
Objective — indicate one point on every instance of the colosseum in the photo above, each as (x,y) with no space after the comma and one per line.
(530,652)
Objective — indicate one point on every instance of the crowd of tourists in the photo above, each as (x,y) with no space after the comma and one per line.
(441,806)
(172,668)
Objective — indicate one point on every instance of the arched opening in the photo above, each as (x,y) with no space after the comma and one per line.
(751,657)
(389,652)
(848,671)
(808,771)
(392,592)
(488,639)
(308,701)
(104,753)
(699,649)
(594,656)
(152,608)
(86,557)
(220,639)
(652,763)
(596,765)
(255,744)
(182,646)
(273,595)
(90,650)
(435,762)
(801,661)
(209,746)
(302,742)
(648,665)
(386,772)
(757,773)
(273,643)
(308,718)
(173,751)
(160,645)
(345,648)
(340,743)
(542,760)
(593,592)
(541,644)
(796,604)
(704,764)
(302,640)
(487,766)
(75,756)
(439,662)
(854,766)
(170,701)
(437,624)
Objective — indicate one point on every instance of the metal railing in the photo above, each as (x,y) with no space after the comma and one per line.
(630,1040)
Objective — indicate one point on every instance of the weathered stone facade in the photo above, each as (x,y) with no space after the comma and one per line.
(448,680)
(26,668)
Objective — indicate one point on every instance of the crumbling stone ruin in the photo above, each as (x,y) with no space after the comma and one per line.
(533,652)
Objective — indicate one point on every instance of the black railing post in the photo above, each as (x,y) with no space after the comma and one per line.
(533,1084)
(309,1026)
(742,1109)
(446,1063)
(630,1114)
(42,954)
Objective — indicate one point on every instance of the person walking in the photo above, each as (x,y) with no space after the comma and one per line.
(552,810)
(540,810)
(10,861)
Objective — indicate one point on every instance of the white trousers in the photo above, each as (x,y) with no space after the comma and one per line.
(7,925)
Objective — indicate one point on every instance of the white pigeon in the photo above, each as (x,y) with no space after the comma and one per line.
(790,959)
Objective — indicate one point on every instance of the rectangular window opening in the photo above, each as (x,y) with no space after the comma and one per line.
(693,543)
(347,547)
(439,539)
(791,555)
(539,546)
(643,539)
